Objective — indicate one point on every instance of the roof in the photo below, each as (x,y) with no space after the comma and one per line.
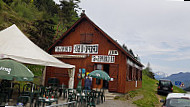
(178,95)
(106,35)
(15,45)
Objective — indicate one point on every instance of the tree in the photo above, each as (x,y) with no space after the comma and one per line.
(8,2)
(68,12)
(43,33)
(149,72)
(125,47)
(46,5)
(67,16)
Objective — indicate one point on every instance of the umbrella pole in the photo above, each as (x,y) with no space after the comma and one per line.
(11,85)
(32,87)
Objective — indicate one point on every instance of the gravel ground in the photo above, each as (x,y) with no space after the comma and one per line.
(117,103)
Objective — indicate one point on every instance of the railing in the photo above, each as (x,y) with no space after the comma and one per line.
(69,104)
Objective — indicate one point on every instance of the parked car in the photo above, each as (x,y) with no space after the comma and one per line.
(165,86)
(177,100)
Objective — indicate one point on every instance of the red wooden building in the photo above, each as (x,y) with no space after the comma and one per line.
(88,47)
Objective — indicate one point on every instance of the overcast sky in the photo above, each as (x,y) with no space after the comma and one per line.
(157,30)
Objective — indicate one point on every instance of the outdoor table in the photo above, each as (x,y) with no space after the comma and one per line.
(48,101)
(82,97)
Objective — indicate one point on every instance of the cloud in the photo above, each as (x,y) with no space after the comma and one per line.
(156,30)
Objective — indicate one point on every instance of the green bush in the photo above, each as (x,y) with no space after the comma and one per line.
(1,4)
(36,69)
(28,11)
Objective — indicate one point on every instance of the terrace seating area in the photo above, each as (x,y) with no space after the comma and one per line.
(32,95)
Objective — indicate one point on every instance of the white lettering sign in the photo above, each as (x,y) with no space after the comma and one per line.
(113,52)
(85,49)
(103,58)
(6,69)
(63,48)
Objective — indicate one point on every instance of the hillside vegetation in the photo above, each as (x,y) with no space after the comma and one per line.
(42,21)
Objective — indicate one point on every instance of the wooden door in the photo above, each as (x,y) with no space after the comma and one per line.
(113,73)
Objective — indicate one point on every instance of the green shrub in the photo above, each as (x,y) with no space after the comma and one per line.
(28,11)
(1,4)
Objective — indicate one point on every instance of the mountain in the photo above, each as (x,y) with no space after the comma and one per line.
(160,75)
(182,77)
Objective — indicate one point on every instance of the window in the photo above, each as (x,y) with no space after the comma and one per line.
(141,75)
(86,38)
(130,72)
(98,67)
(137,74)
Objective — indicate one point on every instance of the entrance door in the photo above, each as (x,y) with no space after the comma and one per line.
(113,73)
(106,69)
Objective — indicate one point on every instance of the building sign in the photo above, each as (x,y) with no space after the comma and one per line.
(113,52)
(63,49)
(85,49)
(103,58)
(178,83)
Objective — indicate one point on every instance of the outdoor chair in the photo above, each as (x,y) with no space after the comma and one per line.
(98,97)
(8,91)
(93,94)
(3,98)
(91,101)
(50,91)
(42,90)
(102,96)
(26,89)
(23,99)
(16,87)
(64,93)
(38,102)
(54,93)
(63,90)
(71,97)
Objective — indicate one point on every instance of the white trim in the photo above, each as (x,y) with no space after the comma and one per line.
(68,56)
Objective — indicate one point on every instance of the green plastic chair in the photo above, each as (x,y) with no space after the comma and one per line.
(102,96)
(64,92)
(71,97)
(91,101)
(23,99)
(3,98)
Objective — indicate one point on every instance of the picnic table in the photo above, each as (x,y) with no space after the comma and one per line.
(47,101)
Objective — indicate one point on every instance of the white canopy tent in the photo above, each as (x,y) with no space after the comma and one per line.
(15,45)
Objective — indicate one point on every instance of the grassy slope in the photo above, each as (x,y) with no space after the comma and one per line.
(148,90)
